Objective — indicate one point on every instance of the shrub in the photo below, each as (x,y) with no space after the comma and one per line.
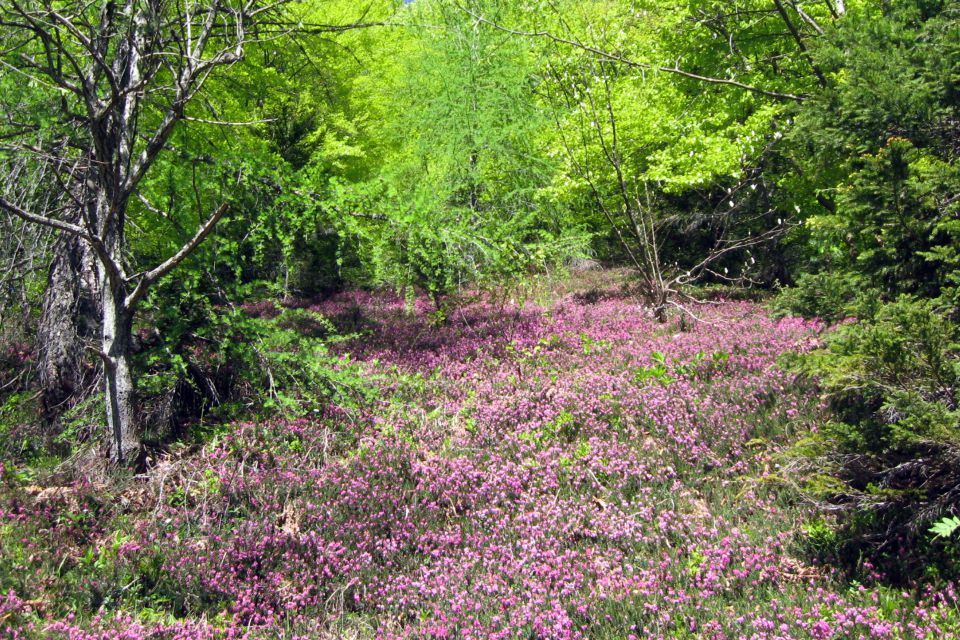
(831,296)
(889,458)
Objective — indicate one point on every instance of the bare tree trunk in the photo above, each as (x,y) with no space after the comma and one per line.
(69,317)
(118,381)
(108,63)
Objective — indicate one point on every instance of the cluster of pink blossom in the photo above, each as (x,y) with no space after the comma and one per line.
(15,617)
(579,471)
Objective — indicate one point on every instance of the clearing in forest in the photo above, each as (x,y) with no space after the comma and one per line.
(572,470)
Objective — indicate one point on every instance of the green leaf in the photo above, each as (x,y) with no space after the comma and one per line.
(945,527)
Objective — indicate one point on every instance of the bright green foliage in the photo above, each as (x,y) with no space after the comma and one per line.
(324,131)
(945,527)
(670,167)
(453,200)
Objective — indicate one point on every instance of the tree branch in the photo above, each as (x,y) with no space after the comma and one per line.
(807,17)
(45,221)
(777,95)
(227,123)
(147,278)
(822,79)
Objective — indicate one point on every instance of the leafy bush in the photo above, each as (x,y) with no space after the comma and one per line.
(878,144)
(831,296)
(286,361)
(889,458)
(203,358)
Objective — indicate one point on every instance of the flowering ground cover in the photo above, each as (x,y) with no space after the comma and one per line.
(570,470)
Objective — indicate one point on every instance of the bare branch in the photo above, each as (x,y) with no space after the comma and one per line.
(807,17)
(676,70)
(822,79)
(89,46)
(53,223)
(144,280)
(226,123)
(725,246)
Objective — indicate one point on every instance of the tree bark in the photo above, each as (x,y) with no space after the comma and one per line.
(118,380)
(68,319)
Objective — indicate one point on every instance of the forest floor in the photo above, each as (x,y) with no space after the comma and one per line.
(567,469)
